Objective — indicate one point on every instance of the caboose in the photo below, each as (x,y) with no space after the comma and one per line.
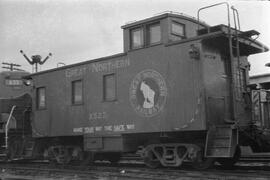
(177,93)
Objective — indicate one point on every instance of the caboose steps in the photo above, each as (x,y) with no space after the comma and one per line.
(221,141)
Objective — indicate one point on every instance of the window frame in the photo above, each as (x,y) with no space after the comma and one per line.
(142,36)
(73,102)
(104,98)
(149,33)
(38,107)
(182,36)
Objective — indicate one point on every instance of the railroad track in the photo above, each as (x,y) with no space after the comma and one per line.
(41,170)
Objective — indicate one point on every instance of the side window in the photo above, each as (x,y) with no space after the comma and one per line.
(41,98)
(154,33)
(109,87)
(137,39)
(178,30)
(77,92)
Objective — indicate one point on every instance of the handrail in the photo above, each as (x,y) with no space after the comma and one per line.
(6,127)
(228,9)
(235,12)
(236,23)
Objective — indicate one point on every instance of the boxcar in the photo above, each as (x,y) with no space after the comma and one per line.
(177,92)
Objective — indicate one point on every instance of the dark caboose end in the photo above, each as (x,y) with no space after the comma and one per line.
(15,107)
(177,93)
(12,84)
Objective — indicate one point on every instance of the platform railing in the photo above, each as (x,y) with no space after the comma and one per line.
(218,4)
(7,124)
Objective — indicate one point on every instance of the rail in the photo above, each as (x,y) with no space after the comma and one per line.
(7,124)
(206,7)
(235,13)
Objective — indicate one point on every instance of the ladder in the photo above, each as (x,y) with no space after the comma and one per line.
(221,140)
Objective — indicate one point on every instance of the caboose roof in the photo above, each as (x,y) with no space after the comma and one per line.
(14,73)
(219,35)
(162,16)
(76,64)
(216,34)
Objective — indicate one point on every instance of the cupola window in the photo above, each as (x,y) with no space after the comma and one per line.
(154,34)
(137,38)
(178,30)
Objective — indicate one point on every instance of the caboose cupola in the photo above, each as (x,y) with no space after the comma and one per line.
(158,30)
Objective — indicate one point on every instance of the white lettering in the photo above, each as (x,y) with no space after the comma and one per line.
(130,126)
(97,116)
(119,128)
(78,130)
(98,128)
(88,130)
(108,128)
(109,66)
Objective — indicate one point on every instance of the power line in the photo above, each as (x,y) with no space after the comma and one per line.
(11,66)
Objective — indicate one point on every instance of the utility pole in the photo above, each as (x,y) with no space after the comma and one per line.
(11,66)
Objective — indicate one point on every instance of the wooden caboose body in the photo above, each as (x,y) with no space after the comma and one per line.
(175,91)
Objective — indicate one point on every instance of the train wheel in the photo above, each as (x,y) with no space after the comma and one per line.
(228,163)
(150,159)
(15,149)
(202,163)
(88,158)
(61,154)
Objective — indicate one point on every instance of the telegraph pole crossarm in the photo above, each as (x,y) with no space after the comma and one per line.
(11,66)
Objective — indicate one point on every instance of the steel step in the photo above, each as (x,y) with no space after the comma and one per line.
(219,142)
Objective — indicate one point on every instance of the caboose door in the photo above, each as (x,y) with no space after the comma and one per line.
(217,82)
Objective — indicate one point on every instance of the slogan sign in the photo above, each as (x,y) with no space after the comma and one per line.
(147,93)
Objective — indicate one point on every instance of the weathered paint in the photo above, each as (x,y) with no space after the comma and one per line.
(178,87)
(176,98)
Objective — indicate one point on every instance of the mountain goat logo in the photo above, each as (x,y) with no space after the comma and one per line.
(148,92)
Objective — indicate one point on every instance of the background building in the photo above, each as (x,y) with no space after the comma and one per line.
(260,81)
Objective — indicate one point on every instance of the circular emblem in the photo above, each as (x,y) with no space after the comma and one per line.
(148,92)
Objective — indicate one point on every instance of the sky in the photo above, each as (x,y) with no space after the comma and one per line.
(79,30)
